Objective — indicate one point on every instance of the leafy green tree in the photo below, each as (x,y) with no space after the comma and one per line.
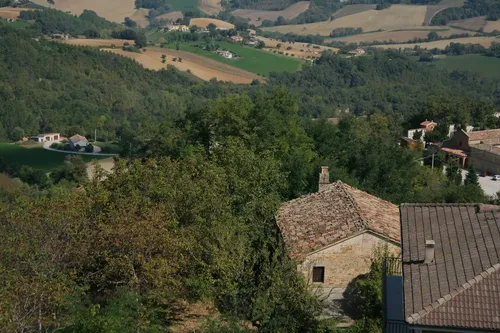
(73,170)
(433,35)
(453,172)
(471,178)
(17,134)
(141,40)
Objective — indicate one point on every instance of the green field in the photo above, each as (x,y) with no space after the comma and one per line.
(16,25)
(486,66)
(251,59)
(184,5)
(37,158)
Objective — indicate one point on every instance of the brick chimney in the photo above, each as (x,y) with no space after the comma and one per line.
(324,178)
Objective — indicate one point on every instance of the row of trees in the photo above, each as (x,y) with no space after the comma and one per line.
(471,8)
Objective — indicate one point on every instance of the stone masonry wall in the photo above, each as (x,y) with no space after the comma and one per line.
(344,261)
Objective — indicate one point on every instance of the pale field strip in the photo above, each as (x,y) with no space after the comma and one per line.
(289,13)
(441,44)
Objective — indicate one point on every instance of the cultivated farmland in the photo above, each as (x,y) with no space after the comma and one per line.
(485,66)
(475,23)
(199,66)
(393,18)
(395,36)
(248,58)
(113,10)
(299,50)
(172,16)
(11,13)
(352,9)
(204,22)
(288,13)
(441,44)
(211,7)
(492,26)
(140,17)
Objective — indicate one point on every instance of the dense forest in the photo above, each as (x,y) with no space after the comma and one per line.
(187,216)
(471,8)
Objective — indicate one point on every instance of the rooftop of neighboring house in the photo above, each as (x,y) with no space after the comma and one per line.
(318,220)
(427,123)
(77,138)
(484,135)
(460,287)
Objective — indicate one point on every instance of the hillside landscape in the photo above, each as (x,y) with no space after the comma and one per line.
(207,166)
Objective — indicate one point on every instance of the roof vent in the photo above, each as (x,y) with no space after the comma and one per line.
(429,251)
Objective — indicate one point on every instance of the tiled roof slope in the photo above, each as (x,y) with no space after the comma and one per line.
(484,135)
(316,220)
(461,288)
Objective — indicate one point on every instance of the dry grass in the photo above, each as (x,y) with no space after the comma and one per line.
(107,164)
(204,22)
(172,16)
(199,66)
(393,18)
(441,44)
(211,7)
(395,36)
(113,10)
(11,13)
(352,9)
(288,13)
(98,42)
(492,26)
(300,50)
(140,17)
(475,23)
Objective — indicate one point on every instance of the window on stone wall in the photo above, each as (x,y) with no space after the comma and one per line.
(319,274)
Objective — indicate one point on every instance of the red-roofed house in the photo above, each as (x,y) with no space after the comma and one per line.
(333,233)
(237,39)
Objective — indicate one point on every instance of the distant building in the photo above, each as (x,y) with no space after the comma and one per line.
(226,54)
(253,41)
(357,52)
(60,36)
(237,39)
(78,140)
(47,137)
(178,27)
(333,233)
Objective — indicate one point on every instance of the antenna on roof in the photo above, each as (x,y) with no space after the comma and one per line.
(429,251)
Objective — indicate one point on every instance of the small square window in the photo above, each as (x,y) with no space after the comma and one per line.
(319,274)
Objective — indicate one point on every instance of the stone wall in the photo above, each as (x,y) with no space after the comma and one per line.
(486,160)
(343,262)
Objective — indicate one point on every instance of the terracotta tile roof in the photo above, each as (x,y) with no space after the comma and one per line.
(461,288)
(457,152)
(484,135)
(317,220)
(426,123)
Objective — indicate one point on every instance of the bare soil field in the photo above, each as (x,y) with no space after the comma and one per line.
(107,164)
(352,9)
(172,16)
(199,66)
(492,26)
(289,13)
(474,23)
(396,17)
(140,17)
(11,13)
(395,36)
(441,44)
(300,50)
(98,42)
(204,22)
(113,10)
(211,7)
(434,9)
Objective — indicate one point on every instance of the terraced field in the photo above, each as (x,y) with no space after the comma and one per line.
(257,16)
(396,17)
(441,44)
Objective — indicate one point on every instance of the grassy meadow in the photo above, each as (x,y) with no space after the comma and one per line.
(37,157)
(250,59)
(486,66)
(183,5)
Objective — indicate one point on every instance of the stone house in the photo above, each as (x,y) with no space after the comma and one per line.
(333,234)
(78,141)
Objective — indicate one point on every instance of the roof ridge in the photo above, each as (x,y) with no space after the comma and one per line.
(358,209)
(439,204)
(449,296)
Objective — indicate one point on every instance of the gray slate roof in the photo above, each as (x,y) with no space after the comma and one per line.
(461,288)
